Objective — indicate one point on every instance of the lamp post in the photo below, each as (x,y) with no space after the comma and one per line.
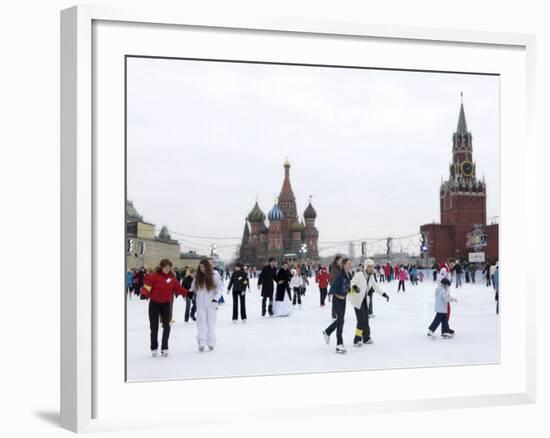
(302,251)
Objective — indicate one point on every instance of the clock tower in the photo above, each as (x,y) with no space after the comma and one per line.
(462,198)
(462,195)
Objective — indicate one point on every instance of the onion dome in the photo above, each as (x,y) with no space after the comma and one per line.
(276,214)
(256,214)
(296,227)
(310,212)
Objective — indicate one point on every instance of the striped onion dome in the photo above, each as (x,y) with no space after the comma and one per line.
(276,214)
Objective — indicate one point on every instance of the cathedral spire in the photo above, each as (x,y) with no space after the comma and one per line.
(287,188)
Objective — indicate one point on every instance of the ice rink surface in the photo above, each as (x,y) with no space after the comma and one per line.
(294,344)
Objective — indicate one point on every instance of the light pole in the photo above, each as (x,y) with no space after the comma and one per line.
(302,251)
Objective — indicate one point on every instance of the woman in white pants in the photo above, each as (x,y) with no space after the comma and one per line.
(208,288)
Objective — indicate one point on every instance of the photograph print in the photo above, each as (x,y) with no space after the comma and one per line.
(293,218)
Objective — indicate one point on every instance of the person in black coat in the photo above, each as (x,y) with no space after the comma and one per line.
(190,302)
(266,281)
(239,282)
(283,283)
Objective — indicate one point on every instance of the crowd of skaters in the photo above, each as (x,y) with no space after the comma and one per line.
(283,288)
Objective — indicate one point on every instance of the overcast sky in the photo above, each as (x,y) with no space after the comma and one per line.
(206,138)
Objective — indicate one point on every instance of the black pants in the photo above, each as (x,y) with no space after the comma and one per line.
(371,305)
(297,296)
(239,297)
(264,303)
(190,308)
(362,331)
(163,310)
(323,291)
(440,318)
(401,283)
(339,307)
(333,309)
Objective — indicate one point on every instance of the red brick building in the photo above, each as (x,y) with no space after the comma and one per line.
(285,235)
(463,225)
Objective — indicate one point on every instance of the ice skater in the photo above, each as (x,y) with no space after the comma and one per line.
(442,299)
(266,280)
(402,277)
(239,282)
(321,279)
(333,272)
(297,285)
(190,302)
(208,288)
(282,306)
(160,287)
(338,292)
(363,286)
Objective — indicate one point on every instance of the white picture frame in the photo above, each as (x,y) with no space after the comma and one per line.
(83,376)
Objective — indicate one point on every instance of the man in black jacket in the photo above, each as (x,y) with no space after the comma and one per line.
(266,281)
(239,282)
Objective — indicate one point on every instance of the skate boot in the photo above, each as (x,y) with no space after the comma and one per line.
(448,335)
(431,335)
(164,353)
(155,353)
(201,348)
(368,341)
(244,321)
(210,347)
(327,337)
(341,349)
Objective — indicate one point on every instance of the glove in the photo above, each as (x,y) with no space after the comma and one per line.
(385,295)
(355,288)
(144,292)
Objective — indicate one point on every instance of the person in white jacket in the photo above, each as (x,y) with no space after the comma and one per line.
(297,284)
(364,283)
(442,299)
(208,288)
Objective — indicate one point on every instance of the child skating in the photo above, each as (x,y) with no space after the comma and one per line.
(442,299)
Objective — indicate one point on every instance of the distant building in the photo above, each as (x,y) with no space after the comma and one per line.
(285,236)
(145,249)
(463,225)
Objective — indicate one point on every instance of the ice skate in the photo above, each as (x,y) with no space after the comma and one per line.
(244,321)
(201,348)
(340,349)
(234,321)
(210,347)
(358,344)
(155,353)
(368,341)
(327,337)
(431,335)
(448,335)
(164,353)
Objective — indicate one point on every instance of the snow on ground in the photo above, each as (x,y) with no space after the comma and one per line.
(271,345)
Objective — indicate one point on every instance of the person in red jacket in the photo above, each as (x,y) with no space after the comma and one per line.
(160,287)
(322,278)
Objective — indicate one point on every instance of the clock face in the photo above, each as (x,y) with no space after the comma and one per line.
(467,168)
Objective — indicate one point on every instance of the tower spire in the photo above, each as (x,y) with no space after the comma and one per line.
(462,128)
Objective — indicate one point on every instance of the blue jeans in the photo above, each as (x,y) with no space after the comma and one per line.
(458,280)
